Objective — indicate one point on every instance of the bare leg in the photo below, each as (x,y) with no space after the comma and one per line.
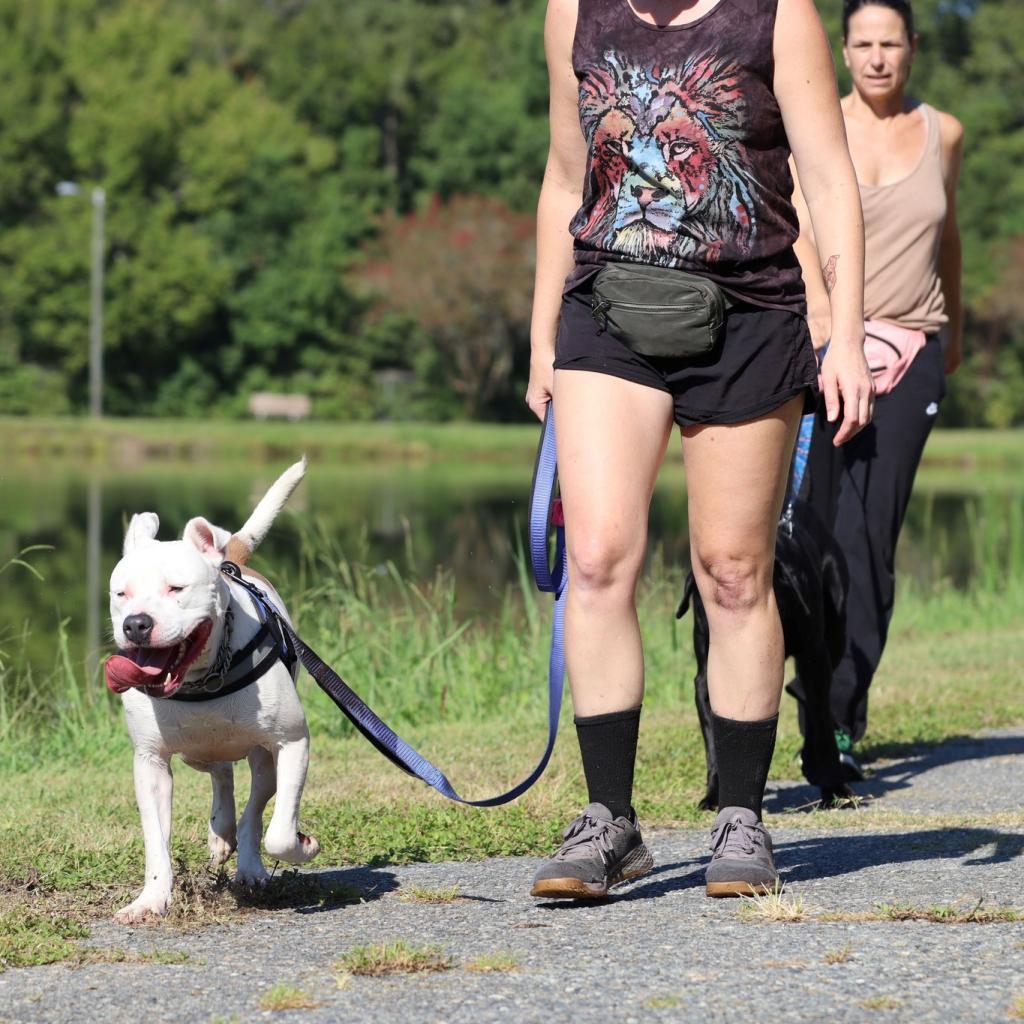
(153,791)
(612,435)
(736,481)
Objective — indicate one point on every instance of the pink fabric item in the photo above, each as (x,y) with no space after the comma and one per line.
(889,351)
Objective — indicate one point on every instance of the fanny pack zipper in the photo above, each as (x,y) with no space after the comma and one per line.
(608,304)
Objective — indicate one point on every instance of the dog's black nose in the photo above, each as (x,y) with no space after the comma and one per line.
(137,628)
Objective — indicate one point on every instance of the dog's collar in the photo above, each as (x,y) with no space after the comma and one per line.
(234,672)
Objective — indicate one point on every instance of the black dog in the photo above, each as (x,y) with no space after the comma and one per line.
(810,580)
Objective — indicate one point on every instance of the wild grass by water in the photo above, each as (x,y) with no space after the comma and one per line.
(413,653)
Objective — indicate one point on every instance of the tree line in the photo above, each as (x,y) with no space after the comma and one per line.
(337,198)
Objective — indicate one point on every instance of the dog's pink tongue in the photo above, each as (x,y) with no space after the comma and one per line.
(142,667)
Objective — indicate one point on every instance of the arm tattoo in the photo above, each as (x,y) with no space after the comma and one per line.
(828,272)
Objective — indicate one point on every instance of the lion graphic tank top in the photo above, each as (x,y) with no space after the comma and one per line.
(687,154)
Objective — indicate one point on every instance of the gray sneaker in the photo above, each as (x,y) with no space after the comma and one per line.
(741,858)
(599,852)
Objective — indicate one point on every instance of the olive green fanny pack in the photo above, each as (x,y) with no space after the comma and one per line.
(659,311)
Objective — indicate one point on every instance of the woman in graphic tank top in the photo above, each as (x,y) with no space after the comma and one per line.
(672,122)
(907,156)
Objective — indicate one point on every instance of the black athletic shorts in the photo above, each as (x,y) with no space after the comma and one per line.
(764,359)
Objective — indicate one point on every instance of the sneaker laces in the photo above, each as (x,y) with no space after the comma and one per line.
(587,831)
(734,838)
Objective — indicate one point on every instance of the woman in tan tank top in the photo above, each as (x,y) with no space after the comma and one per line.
(907,157)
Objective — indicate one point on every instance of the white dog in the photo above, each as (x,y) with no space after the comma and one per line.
(204,671)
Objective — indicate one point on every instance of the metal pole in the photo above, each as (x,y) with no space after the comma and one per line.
(93,552)
(99,206)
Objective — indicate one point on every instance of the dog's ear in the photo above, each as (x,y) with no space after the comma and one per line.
(141,530)
(208,539)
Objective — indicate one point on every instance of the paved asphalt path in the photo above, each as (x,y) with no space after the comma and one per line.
(659,951)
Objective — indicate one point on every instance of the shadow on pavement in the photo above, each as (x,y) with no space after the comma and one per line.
(827,856)
(313,892)
(911,761)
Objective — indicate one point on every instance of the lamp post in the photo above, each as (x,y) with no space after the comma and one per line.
(99,209)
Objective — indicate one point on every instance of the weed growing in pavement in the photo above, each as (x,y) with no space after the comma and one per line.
(954,913)
(397,957)
(490,963)
(839,956)
(286,997)
(420,894)
(772,906)
(666,1002)
(881,1003)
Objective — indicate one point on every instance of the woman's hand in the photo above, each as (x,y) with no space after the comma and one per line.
(847,383)
(542,377)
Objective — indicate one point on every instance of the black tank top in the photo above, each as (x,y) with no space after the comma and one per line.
(687,154)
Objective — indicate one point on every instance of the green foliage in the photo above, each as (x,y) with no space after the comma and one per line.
(251,152)
(29,938)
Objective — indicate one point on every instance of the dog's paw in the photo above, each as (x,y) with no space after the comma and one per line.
(220,849)
(252,876)
(148,907)
(302,848)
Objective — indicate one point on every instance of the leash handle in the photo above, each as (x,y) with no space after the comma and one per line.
(551,579)
(544,506)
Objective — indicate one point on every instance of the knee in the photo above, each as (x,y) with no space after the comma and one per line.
(600,564)
(733,584)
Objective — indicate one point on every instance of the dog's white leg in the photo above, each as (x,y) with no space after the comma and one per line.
(222,838)
(284,840)
(250,829)
(153,792)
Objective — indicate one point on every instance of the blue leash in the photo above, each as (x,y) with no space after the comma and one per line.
(549,579)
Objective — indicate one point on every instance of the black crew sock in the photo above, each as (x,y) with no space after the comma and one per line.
(744,753)
(608,746)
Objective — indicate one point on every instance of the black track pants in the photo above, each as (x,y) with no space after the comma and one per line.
(863,489)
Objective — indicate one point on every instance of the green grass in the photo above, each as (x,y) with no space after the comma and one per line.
(962,912)
(113,440)
(29,938)
(664,1002)
(841,955)
(192,440)
(398,957)
(781,907)
(286,997)
(420,894)
(880,1003)
(493,963)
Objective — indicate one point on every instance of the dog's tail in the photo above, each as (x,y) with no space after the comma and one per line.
(242,544)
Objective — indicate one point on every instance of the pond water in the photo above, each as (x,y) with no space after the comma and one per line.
(468,518)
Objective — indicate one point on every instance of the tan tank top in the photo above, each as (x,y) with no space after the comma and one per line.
(902,231)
